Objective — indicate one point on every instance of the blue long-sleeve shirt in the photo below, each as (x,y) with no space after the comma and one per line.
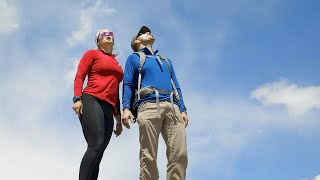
(153,73)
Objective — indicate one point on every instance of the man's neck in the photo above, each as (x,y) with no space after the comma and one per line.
(148,46)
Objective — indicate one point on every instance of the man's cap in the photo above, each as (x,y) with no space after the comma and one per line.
(142,30)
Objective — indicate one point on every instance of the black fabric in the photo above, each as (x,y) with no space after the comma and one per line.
(97,125)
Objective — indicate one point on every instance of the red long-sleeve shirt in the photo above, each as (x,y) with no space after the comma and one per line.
(104,75)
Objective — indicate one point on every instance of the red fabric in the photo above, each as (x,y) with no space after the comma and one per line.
(104,75)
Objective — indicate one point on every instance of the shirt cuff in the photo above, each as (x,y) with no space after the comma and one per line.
(183,109)
(126,106)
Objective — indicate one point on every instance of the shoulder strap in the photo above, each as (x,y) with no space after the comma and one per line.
(141,63)
(142,56)
(172,83)
(167,61)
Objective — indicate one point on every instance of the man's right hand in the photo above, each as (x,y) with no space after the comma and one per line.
(126,115)
(77,107)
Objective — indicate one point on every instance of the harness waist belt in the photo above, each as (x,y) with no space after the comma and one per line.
(148,90)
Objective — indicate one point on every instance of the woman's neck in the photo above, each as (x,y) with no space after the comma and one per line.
(106,49)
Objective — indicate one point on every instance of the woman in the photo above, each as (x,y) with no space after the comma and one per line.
(98,102)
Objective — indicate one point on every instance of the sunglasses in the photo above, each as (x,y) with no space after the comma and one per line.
(106,34)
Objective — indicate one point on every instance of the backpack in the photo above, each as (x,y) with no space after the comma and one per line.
(147,91)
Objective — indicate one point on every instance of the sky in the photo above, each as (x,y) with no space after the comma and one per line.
(249,72)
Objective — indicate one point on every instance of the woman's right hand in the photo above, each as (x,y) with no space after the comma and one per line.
(77,107)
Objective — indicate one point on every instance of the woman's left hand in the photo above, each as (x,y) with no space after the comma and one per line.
(118,130)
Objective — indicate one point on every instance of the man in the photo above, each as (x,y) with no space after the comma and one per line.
(151,89)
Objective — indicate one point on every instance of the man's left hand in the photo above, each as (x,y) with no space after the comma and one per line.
(185,118)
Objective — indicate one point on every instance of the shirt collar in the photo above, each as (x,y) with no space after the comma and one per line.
(147,51)
(101,50)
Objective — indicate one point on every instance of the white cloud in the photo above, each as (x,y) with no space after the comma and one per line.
(89,16)
(39,152)
(70,75)
(8,17)
(221,128)
(27,137)
(317,177)
(55,154)
(298,100)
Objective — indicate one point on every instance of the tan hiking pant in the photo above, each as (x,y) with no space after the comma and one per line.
(174,135)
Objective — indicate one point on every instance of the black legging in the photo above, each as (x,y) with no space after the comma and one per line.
(97,126)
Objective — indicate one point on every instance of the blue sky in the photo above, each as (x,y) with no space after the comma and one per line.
(248,70)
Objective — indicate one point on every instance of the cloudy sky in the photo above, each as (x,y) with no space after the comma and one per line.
(249,71)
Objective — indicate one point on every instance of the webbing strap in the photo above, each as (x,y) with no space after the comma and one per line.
(139,83)
(142,59)
(141,63)
(168,63)
(155,56)
(172,83)
(158,59)
(158,104)
(175,90)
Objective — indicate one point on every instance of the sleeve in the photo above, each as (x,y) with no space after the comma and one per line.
(181,105)
(130,80)
(84,67)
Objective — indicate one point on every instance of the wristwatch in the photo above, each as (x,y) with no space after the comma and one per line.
(76,98)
